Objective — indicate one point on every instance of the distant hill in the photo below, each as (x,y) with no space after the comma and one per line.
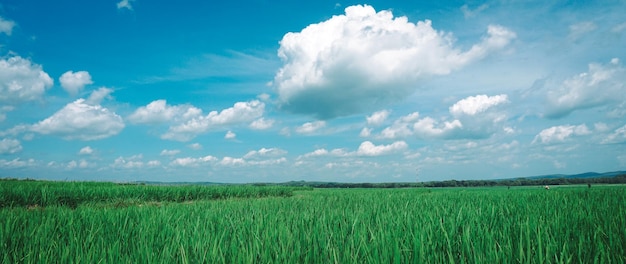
(585,175)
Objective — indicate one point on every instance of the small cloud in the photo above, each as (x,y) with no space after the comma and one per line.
(86,151)
(601,85)
(81,120)
(469,13)
(367,148)
(262,124)
(378,118)
(230,135)
(125,4)
(310,127)
(6,26)
(74,82)
(560,133)
(477,104)
(195,146)
(241,112)
(169,152)
(192,162)
(22,80)
(365,132)
(10,146)
(618,136)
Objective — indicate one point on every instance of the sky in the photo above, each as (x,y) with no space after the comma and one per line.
(341,91)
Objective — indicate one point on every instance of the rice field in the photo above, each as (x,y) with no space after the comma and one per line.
(110,223)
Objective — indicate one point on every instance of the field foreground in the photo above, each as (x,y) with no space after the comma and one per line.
(111,223)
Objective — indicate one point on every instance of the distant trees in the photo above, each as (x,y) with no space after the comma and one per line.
(467,183)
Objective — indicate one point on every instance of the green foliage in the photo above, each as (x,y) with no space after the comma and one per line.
(455,225)
(72,194)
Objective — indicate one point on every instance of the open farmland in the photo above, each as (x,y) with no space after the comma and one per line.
(111,223)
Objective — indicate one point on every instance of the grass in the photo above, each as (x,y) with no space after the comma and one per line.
(452,225)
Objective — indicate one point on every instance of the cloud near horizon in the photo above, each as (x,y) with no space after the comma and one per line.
(363,59)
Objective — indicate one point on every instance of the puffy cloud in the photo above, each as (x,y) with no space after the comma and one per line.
(601,85)
(241,112)
(169,152)
(430,128)
(81,120)
(21,80)
(74,82)
(6,26)
(477,104)
(125,4)
(86,151)
(262,124)
(560,133)
(368,148)
(618,136)
(133,162)
(230,135)
(159,112)
(378,118)
(10,146)
(363,59)
(310,127)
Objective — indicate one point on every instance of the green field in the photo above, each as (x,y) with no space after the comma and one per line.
(65,222)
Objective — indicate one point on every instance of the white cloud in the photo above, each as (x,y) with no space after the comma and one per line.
(189,161)
(21,80)
(86,151)
(74,82)
(17,163)
(77,164)
(477,104)
(97,96)
(133,162)
(81,120)
(618,136)
(363,59)
(367,148)
(230,135)
(378,118)
(601,85)
(241,112)
(262,124)
(6,26)
(125,4)
(10,146)
(560,133)
(429,128)
(169,152)
(365,132)
(265,152)
(159,112)
(230,161)
(310,127)
(401,127)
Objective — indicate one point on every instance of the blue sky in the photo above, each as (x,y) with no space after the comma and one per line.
(260,91)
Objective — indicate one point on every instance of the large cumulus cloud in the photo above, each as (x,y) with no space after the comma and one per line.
(352,62)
